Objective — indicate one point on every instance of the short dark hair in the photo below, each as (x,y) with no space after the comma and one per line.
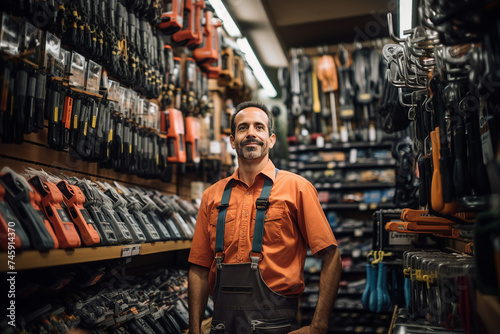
(254,104)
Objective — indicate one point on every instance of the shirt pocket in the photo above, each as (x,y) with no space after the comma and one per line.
(273,221)
(228,229)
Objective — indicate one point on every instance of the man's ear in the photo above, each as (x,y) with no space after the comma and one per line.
(272,141)
(231,140)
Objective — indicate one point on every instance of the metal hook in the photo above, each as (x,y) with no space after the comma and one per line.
(391,29)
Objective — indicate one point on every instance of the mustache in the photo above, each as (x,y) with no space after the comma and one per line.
(252,140)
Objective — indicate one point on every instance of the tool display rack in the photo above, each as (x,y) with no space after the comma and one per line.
(350,316)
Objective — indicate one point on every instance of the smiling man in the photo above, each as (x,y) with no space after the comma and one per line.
(251,240)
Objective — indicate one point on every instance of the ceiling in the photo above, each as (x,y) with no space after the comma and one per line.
(273,27)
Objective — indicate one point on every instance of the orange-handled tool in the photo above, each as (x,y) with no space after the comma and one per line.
(74,199)
(327,73)
(437,202)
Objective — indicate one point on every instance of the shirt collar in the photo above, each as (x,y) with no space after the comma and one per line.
(269,171)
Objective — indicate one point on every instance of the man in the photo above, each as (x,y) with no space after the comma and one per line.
(249,247)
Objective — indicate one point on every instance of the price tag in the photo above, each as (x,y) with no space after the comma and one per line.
(126,251)
(358,232)
(373,206)
(356,253)
(337,185)
(215,147)
(136,250)
(330,165)
(320,142)
(363,206)
(353,156)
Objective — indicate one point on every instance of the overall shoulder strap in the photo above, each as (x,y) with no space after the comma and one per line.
(221,217)
(262,204)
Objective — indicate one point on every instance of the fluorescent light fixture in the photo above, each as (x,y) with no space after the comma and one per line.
(257,69)
(405,15)
(227,21)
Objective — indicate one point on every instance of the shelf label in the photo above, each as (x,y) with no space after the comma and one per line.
(358,232)
(215,147)
(320,142)
(126,251)
(131,250)
(396,238)
(353,156)
(337,185)
(136,250)
(363,206)
(373,206)
(330,165)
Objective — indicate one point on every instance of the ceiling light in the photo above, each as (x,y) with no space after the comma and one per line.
(227,21)
(257,69)
(405,15)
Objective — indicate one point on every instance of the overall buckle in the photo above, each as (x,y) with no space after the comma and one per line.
(219,259)
(262,203)
(254,260)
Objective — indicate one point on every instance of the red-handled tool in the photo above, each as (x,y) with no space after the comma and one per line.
(172,20)
(51,206)
(74,199)
(175,136)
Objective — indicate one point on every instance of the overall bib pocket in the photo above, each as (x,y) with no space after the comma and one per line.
(275,326)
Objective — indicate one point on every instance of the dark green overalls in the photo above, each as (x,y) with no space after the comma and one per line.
(243,301)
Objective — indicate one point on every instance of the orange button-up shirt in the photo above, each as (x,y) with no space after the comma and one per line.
(293,221)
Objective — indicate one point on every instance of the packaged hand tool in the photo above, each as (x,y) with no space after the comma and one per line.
(192,139)
(165,212)
(93,202)
(123,235)
(40,93)
(23,201)
(327,74)
(119,205)
(8,103)
(21,100)
(29,123)
(176,137)
(51,205)
(363,95)
(226,75)
(11,231)
(208,51)
(172,19)
(74,200)
(149,208)
(188,32)
(135,207)
(346,93)
(317,120)
(238,65)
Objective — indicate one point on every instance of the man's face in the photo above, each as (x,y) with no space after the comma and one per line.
(251,139)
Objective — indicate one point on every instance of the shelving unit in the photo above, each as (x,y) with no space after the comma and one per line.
(348,300)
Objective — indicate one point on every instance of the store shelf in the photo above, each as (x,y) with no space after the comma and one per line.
(357,206)
(355,186)
(357,232)
(332,147)
(301,166)
(32,259)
